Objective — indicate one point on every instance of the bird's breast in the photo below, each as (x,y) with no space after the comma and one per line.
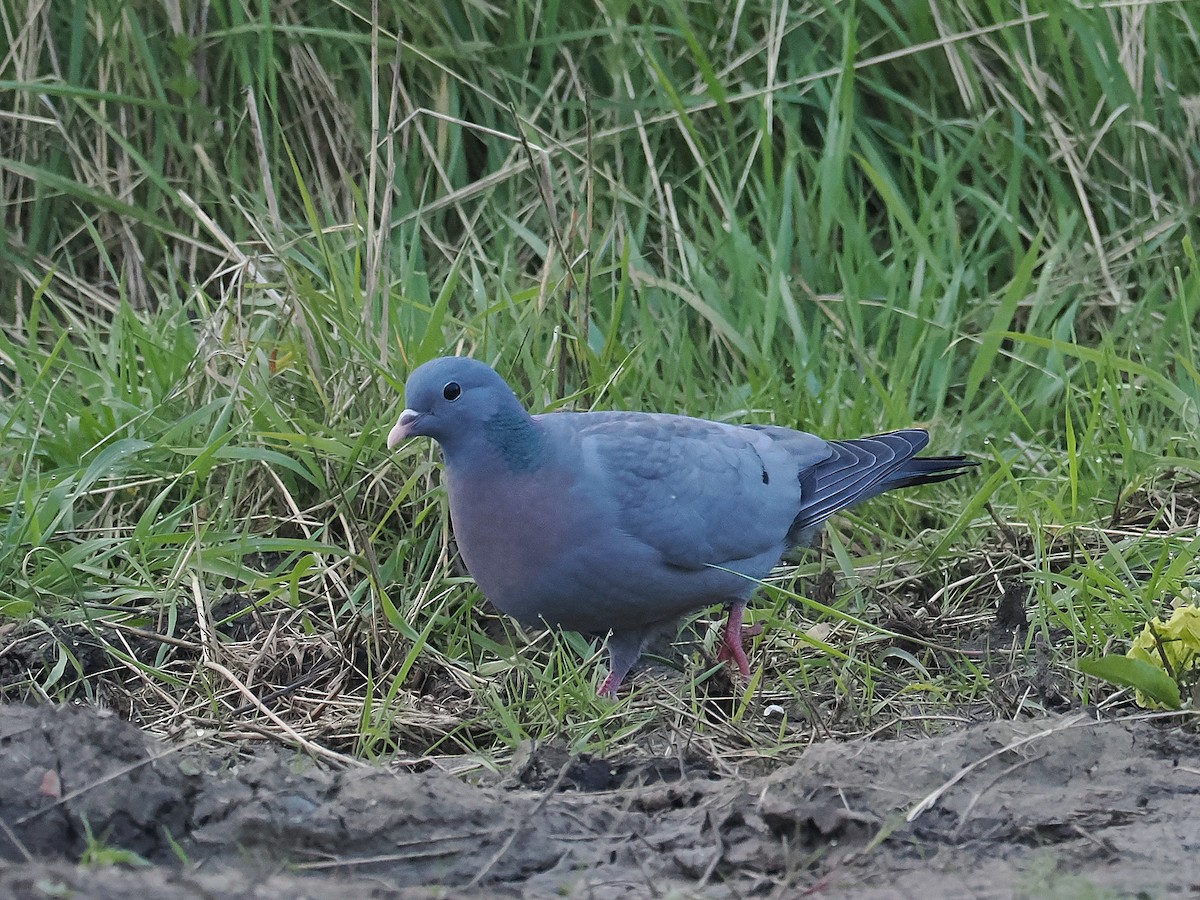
(512,531)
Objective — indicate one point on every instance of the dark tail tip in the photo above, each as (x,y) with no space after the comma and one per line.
(929,470)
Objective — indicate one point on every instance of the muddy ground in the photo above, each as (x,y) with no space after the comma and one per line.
(1058,807)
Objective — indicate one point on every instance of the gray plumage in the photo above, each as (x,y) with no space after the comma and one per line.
(620,522)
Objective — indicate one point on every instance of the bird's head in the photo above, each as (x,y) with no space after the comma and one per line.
(452,400)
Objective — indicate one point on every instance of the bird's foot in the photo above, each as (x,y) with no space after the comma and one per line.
(732,648)
(609,687)
(624,648)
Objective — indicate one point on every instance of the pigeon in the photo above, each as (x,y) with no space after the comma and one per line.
(619,523)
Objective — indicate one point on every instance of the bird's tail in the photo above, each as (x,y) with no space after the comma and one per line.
(927,470)
(866,467)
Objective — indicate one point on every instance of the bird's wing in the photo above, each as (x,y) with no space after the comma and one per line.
(698,492)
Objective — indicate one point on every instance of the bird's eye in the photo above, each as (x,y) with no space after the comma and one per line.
(451,390)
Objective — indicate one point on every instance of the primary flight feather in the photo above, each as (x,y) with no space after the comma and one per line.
(620,522)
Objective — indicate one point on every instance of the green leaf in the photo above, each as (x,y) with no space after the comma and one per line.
(1152,681)
(989,346)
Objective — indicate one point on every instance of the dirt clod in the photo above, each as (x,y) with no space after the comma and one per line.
(1068,803)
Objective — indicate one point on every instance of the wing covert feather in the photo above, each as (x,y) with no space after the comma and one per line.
(698,492)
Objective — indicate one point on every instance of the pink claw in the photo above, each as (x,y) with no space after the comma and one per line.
(732,649)
(609,687)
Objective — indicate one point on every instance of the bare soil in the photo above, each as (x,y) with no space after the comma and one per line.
(1061,807)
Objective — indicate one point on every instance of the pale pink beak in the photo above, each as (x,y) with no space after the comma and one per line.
(403,428)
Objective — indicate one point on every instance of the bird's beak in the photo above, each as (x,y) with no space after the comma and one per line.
(403,428)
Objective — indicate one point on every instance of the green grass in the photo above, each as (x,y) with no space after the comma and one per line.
(224,244)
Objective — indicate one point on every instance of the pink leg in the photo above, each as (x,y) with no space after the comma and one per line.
(623,651)
(609,687)
(731,645)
